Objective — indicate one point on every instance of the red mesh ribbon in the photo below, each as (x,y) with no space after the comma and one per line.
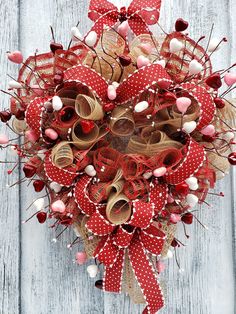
(178,63)
(168,158)
(192,162)
(205,102)
(40,69)
(137,188)
(106,163)
(139,14)
(133,166)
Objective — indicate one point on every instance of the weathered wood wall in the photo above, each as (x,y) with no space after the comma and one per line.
(38,276)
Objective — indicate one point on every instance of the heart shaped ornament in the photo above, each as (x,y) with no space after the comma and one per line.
(161,63)
(183,103)
(15,56)
(142,61)
(208,130)
(123,28)
(230,79)
(146,48)
(141,106)
(195,67)
(90,171)
(181,25)
(175,45)
(189,127)
(91,39)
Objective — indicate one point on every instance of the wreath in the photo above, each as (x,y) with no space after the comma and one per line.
(126,132)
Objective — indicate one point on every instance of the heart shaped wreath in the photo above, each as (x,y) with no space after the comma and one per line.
(126,133)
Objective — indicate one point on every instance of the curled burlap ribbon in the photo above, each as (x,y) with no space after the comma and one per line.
(122,122)
(88,108)
(151,143)
(85,140)
(118,208)
(62,155)
(19,126)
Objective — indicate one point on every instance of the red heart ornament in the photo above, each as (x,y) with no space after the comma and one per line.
(41,216)
(87,126)
(214,81)
(181,25)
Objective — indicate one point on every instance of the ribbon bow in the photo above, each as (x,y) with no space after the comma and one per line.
(139,14)
(137,237)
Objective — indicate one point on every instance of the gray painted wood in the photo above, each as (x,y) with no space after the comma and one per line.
(39,275)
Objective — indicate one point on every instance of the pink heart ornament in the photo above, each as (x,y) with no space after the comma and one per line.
(183,103)
(15,56)
(159,172)
(230,79)
(208,130)
(142,61)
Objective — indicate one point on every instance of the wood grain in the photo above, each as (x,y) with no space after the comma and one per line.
(38,276)
(9,204)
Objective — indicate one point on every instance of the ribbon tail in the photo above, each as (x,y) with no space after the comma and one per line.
(146,277)
(112,280)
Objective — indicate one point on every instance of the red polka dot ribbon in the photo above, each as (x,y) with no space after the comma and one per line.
(62,176)
(34,112)
(139,14)
(192,162)
(136,237)
(205,102)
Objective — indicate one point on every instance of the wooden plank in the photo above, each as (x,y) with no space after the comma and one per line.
(51,283)
(9,205)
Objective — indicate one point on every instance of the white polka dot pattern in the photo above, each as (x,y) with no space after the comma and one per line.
(58,175)
(205,101)
(81,196)
(123,238)
(145,275)
(158,195)
(141,80)
(153,244)
(139,13)
(33,114)
(192,162)
(88,77)
(113,275)
(108,253)
(98,225)
(142,214)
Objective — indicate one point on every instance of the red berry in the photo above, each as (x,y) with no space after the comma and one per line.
(29,170)
(5,116)
(87,126)
(187,218)
(108,107)
(38,185)
(181,25)
(219,102)
(55,46)
(20,114)
(125,60)
(41,216)
(182,188)
(214,81)
(174,243)
(232,158)
(99,284)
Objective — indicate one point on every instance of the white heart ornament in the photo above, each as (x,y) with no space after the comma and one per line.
(75,34)
(191,181)
(90,171)
(142,61)
(175,45)
(161,63)
(91,39)
(214,45)
(92,271)
(141,106)
(192,200)
(189,127)
(195,67)
(57,103)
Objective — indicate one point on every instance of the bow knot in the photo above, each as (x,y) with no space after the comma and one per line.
(123,15)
